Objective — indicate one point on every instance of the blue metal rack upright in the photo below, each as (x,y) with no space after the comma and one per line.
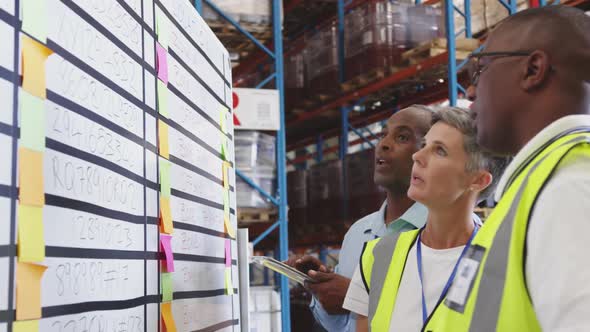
(281,200)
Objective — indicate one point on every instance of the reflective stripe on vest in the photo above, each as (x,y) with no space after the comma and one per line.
(390,252)
(498,299)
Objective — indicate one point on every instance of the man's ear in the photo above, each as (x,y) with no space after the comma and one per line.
(536,70)
(481,180)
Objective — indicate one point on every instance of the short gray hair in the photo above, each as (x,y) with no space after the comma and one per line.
(477,158)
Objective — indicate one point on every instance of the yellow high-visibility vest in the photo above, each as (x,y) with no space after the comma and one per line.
(489,292)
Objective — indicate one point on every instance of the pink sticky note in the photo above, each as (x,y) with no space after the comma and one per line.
(162,63)
(166,246)
(227,252)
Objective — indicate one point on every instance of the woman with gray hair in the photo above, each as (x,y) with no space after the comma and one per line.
(405,276)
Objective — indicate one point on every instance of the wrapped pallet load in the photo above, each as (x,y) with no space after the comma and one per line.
(297,194)
(258,12)
(295,74)
(321,60)
(256,158)
(425,24)
(376,34)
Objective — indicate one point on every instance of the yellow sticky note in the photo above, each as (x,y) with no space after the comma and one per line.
(162,99)
(225,168)
(166,310)
(35,18)
(166,215)
(30,167)
(31,242)
(229,286)
(26,326)
(162,29)
(34,55)
(228,227)
(163,145)
(28,290)
(226,201)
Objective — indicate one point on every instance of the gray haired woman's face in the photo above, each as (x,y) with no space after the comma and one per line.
(439,174)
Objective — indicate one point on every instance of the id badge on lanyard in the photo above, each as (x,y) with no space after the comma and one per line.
(463,283)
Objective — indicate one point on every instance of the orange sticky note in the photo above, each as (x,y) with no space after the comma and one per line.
(25,326)
(28,290)
(34,55)
(166,310)
(225,175)
(31,243)
(166,216)
(30,167)
(164,148)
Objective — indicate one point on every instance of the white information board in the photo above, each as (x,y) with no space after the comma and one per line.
(103,96)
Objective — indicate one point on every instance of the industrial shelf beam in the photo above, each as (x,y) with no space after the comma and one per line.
(427,96)
(264,234)
(266,80)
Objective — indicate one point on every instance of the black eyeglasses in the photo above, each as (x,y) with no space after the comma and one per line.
(476,67)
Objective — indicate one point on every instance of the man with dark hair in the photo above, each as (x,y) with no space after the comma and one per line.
(527,269)
(400,139)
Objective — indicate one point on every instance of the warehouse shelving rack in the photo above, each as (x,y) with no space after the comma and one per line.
(449,89)
(345,103)
(281,200)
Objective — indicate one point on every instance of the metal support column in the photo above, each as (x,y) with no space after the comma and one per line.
(199,6)
(450,32)
(467,15)
(301,153)
(341,74)
(343,152)
(277,29)
(343,140)
(513,7)
(319,149)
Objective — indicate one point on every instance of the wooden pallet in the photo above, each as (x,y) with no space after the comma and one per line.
(464,47)
(255,215)
(314,99)
(235,41)
(366,78)
(323,97)
(222,25)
